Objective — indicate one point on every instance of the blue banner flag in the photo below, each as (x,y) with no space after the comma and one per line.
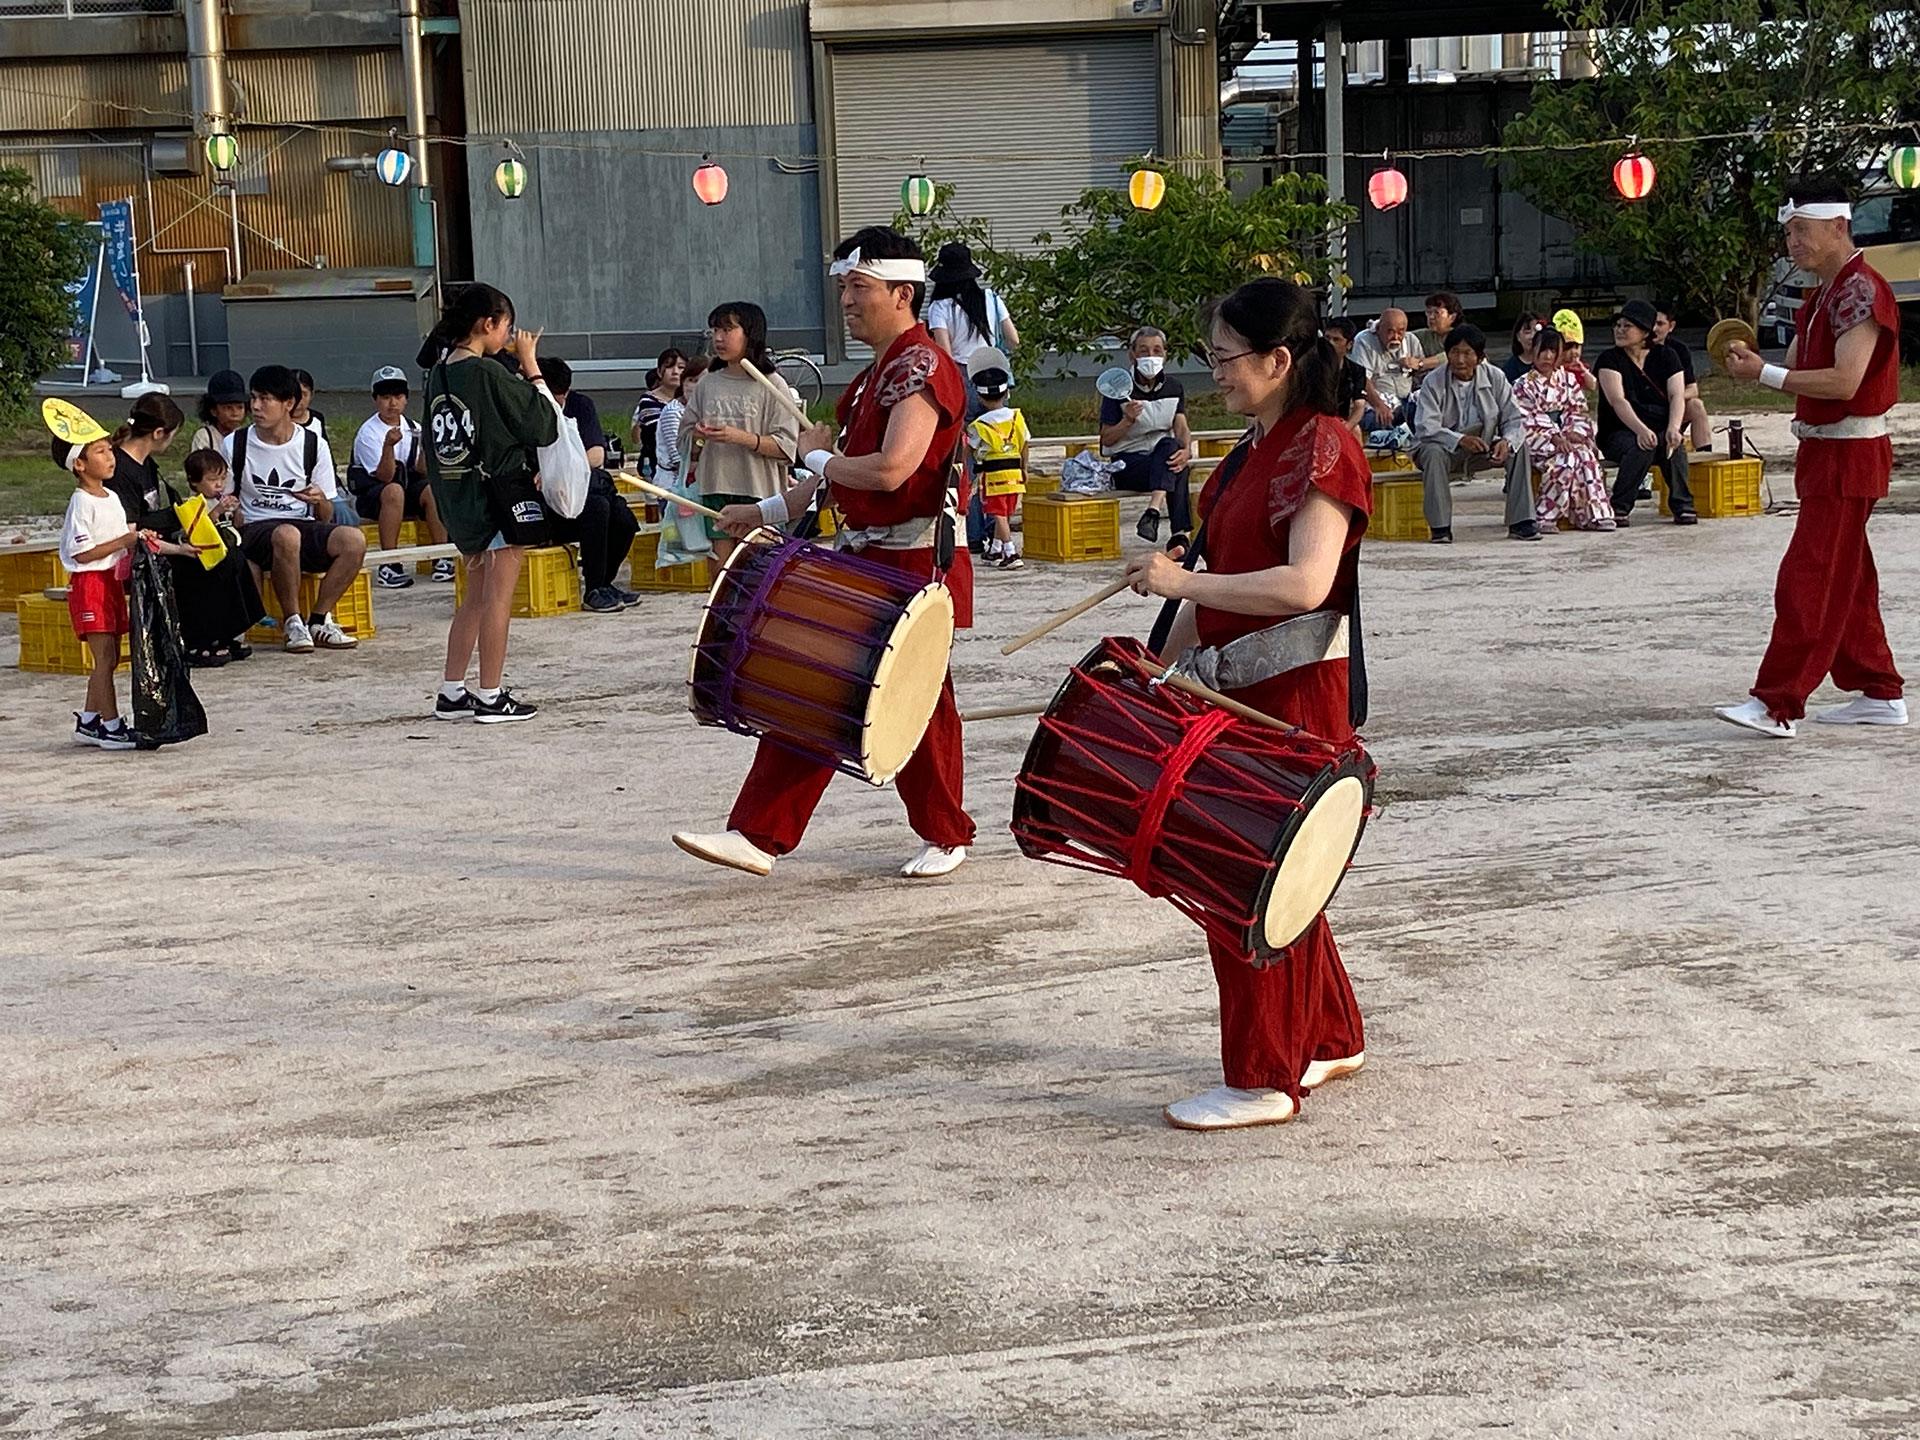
(116,223)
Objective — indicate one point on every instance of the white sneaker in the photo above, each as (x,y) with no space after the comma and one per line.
(329,636)
(1227,1108)
(1321,1071)
(729,848)
(443,572)
(1753,716)
(299,638)
(932,861)
(1865,710)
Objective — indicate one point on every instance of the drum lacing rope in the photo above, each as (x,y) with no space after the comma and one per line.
(1173,774)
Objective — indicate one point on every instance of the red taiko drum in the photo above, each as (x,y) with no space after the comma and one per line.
(1245,828)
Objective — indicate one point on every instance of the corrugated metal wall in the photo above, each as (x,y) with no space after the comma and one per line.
(130,92)
(1085,100)
(1196,82)
(588,65)
(305,213)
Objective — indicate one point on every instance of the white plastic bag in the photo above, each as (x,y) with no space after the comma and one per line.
(564,472)
(1085,473)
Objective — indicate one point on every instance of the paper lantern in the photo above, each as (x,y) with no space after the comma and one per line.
(1147,189)
(393,166)
(916,195)
(510,178)
(1633,176)
(1387,188)
(1903,166)
(222,151)
(710,183)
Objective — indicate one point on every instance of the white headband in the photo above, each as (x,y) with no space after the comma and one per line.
(894,272)
(75,452)
(1819,210)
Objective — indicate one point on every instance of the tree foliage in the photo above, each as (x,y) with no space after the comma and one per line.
(1800,86)
(41,250)
(1112,268)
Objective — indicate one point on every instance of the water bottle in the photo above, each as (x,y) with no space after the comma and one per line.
(1736,442)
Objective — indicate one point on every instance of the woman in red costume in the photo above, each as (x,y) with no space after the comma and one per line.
(1285,514)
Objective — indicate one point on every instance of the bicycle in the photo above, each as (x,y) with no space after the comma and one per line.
(799,370)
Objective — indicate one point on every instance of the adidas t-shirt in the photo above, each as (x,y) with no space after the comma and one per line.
(275,473)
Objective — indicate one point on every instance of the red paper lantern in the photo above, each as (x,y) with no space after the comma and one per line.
(710,183)
(1633,176)
(1387,188)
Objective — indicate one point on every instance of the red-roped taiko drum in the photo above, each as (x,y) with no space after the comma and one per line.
(839,658)
(1246,828)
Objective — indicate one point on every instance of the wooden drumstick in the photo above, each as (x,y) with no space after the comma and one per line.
(666,494)
(785,395)
(1225,702)
(1047,627)
(1006,712)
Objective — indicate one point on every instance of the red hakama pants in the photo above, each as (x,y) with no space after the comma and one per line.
(1826,599)
(1276,1021)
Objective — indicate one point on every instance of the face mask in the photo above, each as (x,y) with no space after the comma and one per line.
(1150,365)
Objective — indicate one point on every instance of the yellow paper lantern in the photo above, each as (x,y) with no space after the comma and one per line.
(1147,189)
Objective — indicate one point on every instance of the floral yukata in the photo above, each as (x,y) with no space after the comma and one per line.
(1560,442)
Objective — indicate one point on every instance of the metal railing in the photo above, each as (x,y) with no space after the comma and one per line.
(76,9)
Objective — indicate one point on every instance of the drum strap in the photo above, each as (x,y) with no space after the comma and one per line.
(1224,475)
(1252,659)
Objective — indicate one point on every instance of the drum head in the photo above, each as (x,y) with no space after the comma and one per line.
(1115,384)
(907,685)
(1315,859)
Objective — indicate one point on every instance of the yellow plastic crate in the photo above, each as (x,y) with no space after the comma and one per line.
(1392,464)
(28,572)
(829,522)
(627,484)
(412,532)
(1721,488)
(1068,529)
(1214,449)
(549,584)
(694,577)
(1399,511)
(353,613)
(47,642)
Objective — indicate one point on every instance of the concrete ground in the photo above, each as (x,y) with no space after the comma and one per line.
(366,1076)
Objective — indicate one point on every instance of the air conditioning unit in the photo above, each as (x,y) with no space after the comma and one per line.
(174,152)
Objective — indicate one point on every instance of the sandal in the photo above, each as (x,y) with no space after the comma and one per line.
(205,659)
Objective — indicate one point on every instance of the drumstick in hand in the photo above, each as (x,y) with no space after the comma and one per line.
(666,494)
(1047,627)
(784,395)
(1006,712)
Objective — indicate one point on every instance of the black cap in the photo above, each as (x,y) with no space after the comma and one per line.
(227,387)
(1640,313)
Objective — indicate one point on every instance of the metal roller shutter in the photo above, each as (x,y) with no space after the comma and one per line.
(1076,104)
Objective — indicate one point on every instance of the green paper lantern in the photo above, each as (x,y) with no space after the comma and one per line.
(222,151)
(510,179)
(1903,167)
(917,195)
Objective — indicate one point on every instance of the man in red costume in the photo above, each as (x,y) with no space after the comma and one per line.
(1844,365)
(900,423)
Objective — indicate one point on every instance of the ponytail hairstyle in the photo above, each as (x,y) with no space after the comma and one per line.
(752,321)
(471,308)
(1273,314)
(150,412)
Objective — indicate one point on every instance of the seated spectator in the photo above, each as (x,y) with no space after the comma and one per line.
(1643,412)
(1573,335)
(216,606)
(663,383)
(1560,441)
(1391,359)
(1521,360)
(1699,424)
(223,410)
(1357,394)
(1147,433)
(1443,313)
(388,476)
(284,475)
(1466,421)
(605,527)
(304,413)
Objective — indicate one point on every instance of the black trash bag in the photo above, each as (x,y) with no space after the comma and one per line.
(165,709)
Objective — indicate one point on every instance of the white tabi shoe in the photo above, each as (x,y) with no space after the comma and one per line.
(1865,710)
(1753,716)
(932,861)
(1227,1108)
(1321,1071)
(729,848)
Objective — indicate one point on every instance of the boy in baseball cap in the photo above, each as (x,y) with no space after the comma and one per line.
(388,476)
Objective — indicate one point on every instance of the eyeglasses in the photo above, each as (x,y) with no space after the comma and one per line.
(1215,359)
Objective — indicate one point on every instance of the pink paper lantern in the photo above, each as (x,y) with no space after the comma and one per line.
(1387,188)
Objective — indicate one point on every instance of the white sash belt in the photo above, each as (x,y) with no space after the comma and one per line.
(1853,427)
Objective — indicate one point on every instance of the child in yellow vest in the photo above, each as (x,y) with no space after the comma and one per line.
(999,442)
